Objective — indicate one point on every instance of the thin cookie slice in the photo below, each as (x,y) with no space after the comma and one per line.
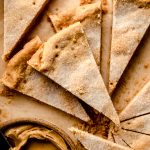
(23,78)
(67,59)
(135,120)
(139,105)
(106,40)
(131,19)
(19,15)
(92,142)
(132,139)
(136,75)
(90,17)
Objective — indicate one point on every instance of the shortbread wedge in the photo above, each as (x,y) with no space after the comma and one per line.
(90,17)
(23,78)
(67,59)
(131,19)
(135,122)
(136,75)
(92,142)
(139,105)
(18,17)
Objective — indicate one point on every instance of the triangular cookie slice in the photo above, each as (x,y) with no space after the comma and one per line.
(92,142)
(23,78)
(130,22)
(131,139)
(136,116)
(19,15)
(135,120)
(67,59)
(140,105)
(138,124)
(136,75)
(90,17)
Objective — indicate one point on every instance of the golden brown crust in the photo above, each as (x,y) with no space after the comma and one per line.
(69,17)
(5,91)
(82,2)
(17,65)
